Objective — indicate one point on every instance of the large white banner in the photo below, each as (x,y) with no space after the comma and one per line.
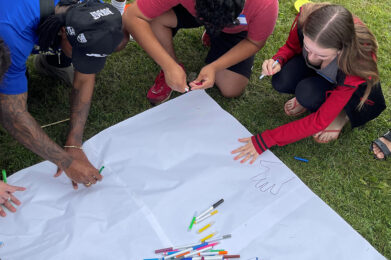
(160,167)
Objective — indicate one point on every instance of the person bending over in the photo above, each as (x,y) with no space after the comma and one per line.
(329,64)
(87,32)
(6,190)
(238,29)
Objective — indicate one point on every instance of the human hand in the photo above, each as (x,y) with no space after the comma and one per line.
(6,197)
(246,151)
(80,170)
(268,69)
(205,79)
(176,78)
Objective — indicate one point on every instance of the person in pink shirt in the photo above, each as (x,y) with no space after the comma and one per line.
(238,29)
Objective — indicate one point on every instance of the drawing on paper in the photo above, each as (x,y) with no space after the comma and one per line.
(268,181)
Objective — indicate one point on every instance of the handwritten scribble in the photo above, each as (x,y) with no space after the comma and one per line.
(266,181)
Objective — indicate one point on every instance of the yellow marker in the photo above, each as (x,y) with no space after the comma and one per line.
(205,227)
(208,236)
(207,216)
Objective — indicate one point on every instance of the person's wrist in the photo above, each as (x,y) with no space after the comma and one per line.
(73,141)
(65,161)
(74,147)
(170,65)
(214,66)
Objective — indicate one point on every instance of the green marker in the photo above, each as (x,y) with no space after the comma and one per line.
(4,176)
(216,250)
(192,221)
(101,169)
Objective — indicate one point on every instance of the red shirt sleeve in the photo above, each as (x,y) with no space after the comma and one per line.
(292,46)
(262,20)
(312,123)
(154,8)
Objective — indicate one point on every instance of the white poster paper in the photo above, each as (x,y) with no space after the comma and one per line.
(160,167)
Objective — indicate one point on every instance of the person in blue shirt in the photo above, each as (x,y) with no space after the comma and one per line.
(87,32)
(5,59)
(6,190)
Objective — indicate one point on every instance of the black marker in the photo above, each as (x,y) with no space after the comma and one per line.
(210,209)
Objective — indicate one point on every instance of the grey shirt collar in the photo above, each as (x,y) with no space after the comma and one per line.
(329,72)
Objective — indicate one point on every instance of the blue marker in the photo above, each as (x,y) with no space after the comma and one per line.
(300,159)
(201,245)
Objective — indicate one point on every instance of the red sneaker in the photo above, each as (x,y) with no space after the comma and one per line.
(205,38)
(160,91)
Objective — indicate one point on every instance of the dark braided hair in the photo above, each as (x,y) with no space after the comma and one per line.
(48,30)
(217,14)
(5,59)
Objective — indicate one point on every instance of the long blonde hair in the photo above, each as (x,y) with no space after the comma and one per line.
(333,26)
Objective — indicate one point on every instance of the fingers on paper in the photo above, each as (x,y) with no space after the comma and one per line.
(15,200)
(15,188)
(9,206)
(58,173)
(238,150)
(75,186)
(246,152)
(244,140)
(2,212)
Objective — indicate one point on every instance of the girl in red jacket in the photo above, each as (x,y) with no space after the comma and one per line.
(329,64)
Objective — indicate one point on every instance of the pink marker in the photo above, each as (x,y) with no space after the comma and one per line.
(163,250)
(209,245)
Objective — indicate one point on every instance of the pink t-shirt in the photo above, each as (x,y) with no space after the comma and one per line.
(261,15)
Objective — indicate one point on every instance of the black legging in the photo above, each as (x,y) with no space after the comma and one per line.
(297,78)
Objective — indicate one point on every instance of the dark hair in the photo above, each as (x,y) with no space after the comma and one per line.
(5,59)
(217,14)
(48,30)
(333,26)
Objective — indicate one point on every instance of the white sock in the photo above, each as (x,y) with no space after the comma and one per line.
(119,5)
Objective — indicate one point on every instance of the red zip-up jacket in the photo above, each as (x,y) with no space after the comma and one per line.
(315,122)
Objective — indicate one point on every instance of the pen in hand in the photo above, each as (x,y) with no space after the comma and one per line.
(274,64)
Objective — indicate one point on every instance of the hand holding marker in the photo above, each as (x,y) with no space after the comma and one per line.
(274,64)
(4,176)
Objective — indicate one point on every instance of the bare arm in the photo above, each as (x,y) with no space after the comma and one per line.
(240,52)
(138,25)
(80,99)
(22,126)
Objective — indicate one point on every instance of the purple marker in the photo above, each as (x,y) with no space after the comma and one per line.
(163,250)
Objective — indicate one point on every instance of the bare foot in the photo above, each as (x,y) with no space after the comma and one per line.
(333,130)
(293,108)
(378,153)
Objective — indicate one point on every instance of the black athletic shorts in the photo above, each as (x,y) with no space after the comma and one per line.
(219,44)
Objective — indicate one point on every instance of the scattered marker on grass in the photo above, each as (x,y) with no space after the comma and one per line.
(300,159)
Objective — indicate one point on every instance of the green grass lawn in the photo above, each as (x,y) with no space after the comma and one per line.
(342,173)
